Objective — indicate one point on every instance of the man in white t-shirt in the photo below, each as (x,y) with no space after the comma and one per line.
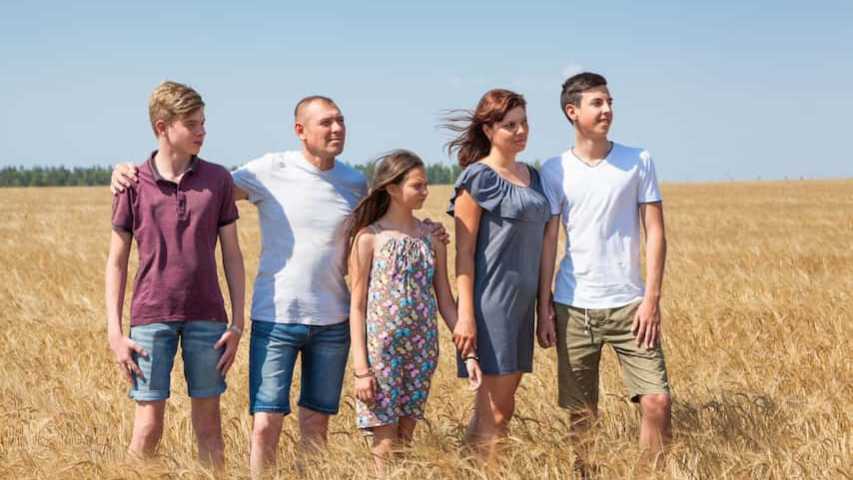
(300,301)
(602,192)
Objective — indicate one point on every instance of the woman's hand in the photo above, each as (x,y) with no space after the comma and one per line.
(465,334)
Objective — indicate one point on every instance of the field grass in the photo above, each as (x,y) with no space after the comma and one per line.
(757,330)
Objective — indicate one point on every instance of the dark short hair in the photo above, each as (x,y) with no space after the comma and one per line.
(311,99)
(574,87)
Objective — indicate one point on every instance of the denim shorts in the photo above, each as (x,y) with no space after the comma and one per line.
(272,357)
(160,340)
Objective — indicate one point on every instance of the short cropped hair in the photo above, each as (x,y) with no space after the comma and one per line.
(171,101)
(574,87)
(309,100)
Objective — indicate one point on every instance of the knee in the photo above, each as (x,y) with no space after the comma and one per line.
(656,405)
(208,432)
(313,424)
(149,431)
(266,428)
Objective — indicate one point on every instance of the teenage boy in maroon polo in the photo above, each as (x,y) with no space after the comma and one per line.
(177,211)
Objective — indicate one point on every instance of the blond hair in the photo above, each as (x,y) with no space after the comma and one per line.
(171,101)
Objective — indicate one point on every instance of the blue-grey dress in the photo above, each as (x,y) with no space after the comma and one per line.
(506,266)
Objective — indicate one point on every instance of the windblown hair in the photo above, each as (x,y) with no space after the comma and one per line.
(574,87)
(389,169)
(471,143)
(171,101)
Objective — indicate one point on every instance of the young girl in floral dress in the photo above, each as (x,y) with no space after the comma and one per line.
(399,280)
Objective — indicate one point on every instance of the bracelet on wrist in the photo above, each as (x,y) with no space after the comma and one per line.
(471,356)
(235,329)
(367,374)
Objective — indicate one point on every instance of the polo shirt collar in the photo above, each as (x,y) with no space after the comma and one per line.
(159,178)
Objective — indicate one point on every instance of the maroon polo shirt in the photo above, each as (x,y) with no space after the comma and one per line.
(176,226)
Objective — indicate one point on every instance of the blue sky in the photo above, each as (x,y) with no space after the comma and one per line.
(715,91)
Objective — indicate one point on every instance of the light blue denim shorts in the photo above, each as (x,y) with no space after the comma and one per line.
(272,358)
(160,340)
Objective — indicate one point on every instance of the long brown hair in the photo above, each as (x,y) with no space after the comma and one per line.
(471,143)
(390,169)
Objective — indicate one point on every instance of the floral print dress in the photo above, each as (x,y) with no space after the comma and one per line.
(402,338)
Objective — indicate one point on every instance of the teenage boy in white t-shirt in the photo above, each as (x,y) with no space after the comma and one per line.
(602,191)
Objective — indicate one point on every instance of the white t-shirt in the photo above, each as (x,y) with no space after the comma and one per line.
(302,211)
(600,214)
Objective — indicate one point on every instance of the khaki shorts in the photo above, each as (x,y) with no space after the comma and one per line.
(581,334)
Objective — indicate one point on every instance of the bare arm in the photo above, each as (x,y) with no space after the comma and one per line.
(652,215)
(447,306)
(360,262)
(446,303)
(647,320)
(467,225)
(114,287)
(235,276)
(545,330)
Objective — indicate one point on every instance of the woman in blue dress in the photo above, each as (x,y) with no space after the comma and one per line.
(500,211)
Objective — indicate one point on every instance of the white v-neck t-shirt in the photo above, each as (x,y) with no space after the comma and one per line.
(302,211)
(599,209)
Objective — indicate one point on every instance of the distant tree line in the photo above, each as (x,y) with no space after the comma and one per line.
(438,174)
(54,176)
(84,176)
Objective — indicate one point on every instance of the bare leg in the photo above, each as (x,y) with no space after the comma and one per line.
(655,426)
(384,441)
(147,428)
(207,424)
(406,430)
(266,429)
(581,423)
(493,409)
(313,428)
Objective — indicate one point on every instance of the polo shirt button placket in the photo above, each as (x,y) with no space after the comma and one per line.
(181,201)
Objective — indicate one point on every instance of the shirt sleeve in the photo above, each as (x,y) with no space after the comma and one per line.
(648,191)
(228,213)
(552,185)
(122,217)
(251,178)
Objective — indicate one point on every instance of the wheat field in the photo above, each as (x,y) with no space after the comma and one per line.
(757,331)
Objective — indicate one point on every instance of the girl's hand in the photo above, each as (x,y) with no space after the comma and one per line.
(475,376)
(365,389)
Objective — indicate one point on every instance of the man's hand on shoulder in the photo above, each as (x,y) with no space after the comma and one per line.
(438,231)
(124,175)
